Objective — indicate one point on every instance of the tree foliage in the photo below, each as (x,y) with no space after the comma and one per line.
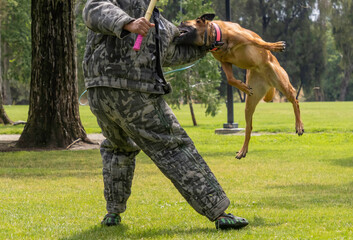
(16,34)
(342,29)
(16,48)
(295,23)
(334,72)
(4,119)
(318,35)
(199,83)
(80,34)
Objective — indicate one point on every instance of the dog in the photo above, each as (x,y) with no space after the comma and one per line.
(231,44)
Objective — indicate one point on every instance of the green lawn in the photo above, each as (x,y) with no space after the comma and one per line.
(288,187)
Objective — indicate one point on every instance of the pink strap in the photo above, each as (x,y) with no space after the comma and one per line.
(218,32)
(218,35)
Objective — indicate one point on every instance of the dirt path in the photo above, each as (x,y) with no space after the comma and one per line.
(8,141)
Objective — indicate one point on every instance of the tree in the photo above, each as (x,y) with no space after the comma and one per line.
(81,35)
(16,54)
(53,118)
(334,72)
(3,116)
(290,21)
(342,28)
(199,83)
(4,119)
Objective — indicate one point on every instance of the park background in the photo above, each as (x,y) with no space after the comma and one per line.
(288,187)
(318,34)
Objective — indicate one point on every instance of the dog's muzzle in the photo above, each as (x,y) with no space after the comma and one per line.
(187,35)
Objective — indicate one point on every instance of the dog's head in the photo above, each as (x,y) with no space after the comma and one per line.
(192,31)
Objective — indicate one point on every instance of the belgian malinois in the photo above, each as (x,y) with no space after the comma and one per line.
(231,44)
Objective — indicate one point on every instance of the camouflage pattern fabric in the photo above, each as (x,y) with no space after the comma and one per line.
(133,121)
(109,58)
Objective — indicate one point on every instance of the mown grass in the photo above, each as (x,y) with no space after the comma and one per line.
(268,117)
(288,187)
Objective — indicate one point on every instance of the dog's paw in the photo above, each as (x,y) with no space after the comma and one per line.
(249,91)
(299,130)
(240,155)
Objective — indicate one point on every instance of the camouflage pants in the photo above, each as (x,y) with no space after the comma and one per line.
(133,121)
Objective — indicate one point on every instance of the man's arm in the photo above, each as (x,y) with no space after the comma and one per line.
(105,17)
(182,54)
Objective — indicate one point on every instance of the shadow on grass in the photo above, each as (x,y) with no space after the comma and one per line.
(124,232)
(262,222)
(164,232)
(45,173)
(50,164)
(308,195)
(343,162)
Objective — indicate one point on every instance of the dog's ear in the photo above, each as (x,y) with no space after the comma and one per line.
(207,16)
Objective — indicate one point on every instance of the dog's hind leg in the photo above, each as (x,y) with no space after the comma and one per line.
(227,68)
(285,87)
(260,89)
(274,47)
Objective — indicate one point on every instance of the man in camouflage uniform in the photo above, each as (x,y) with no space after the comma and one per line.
(125,90)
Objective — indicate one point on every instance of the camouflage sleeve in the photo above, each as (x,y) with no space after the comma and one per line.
(104,17)
(182,54)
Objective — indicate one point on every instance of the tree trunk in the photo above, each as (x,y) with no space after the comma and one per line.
(6,91)
(265,18)
(53,118)
(189,100)
(345,81)
(192,111)
(4,119)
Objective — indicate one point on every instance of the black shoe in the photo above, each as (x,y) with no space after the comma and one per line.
(229,221)
(111,219)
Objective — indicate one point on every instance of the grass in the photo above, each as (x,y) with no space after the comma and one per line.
(288,187)
(268,117)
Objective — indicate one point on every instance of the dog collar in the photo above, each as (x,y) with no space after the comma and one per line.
(217,36)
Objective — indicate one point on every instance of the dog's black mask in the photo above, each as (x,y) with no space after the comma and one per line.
(188,35)
(191,31)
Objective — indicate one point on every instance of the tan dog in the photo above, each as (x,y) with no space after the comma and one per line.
(231,44)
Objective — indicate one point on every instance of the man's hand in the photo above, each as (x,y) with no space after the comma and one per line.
(140,26)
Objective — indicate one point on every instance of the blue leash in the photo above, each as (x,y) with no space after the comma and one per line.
(182,69)
(169,72)
(79,99)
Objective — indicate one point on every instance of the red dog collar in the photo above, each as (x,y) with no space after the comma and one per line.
(218,38)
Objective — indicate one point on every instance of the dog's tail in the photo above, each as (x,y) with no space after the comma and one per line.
(269,95)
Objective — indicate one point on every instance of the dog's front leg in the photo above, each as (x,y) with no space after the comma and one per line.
(248,118)
(227,68)
(255,79)
(249,111)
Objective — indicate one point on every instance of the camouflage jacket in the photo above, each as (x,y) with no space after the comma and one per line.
(109,58)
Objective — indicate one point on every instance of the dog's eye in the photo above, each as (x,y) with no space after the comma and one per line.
(198,20)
